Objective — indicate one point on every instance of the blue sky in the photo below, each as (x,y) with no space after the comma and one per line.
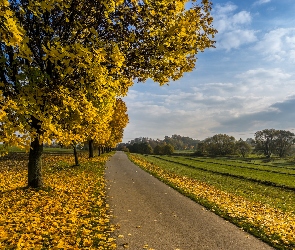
(245,84)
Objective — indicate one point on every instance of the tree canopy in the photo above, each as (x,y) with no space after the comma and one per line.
(220,144)
(272,141)
(243,147)
(118,123)
(64,62)
(10,31)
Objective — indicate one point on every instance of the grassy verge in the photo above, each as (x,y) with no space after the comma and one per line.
(69,212)
(269,176)
(265,211)
(280,198)
(45,150)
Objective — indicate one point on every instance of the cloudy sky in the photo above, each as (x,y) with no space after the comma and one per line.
(245,84)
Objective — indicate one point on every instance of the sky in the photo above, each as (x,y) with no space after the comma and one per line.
(245,84)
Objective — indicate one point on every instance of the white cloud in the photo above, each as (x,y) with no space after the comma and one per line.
(292,55)
(279,114)
(225,19)
(234,39)
(224,9)
(278,45)
(260,2)
(260,74)
(242,17)
(209,108)
(232,27)
(269,85)
(291,41)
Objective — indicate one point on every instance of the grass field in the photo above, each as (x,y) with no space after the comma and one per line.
(69,212)
(257,196)
(45,149)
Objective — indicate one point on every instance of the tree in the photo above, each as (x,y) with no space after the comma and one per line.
(272,141)
(99,130)
(168,149)
(284,142)
(164,149)
(265,141)
(220,144)
(145,148)
(181,142)
(114,130)
(158,150)
(140,148)
(162,37)
(10,30)
(201,148)
(41,83)
(243,147)
(118,123)
(87,50)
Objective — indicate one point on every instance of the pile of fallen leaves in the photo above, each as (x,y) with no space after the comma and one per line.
(274,224)
(69,212)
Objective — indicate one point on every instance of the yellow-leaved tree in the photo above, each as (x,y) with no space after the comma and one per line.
(61,61)
(118,123)
(10,30)
(112,133)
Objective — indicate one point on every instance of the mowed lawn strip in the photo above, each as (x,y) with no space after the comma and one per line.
(265,211)
(276,197)
(69,212)
(250,165)
(266,177)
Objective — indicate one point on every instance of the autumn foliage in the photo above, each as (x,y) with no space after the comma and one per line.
(63,64)
(69,212)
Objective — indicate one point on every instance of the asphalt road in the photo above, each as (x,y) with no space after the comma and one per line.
(150,215)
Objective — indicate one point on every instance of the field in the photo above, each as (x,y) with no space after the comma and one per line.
(69,212)
(45,149)
(258,197)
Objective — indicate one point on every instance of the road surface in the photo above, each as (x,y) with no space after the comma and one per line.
(150,215)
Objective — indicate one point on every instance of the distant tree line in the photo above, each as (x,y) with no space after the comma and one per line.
(222,144)
(145,148)
(144,145)
(267,142)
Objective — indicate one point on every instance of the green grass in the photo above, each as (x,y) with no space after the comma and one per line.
(277,197)
(45,150)
(58,150)
(185,151)
(279,163)
(11,149)
(247,194)
(266,175)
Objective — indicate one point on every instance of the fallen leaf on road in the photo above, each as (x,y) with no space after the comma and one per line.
(125,245)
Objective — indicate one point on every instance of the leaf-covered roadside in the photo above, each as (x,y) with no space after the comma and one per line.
(270,224)
(70,212)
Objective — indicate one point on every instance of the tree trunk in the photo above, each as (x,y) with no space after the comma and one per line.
(99,150)
(76,156)
(91,149)
(35,164)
